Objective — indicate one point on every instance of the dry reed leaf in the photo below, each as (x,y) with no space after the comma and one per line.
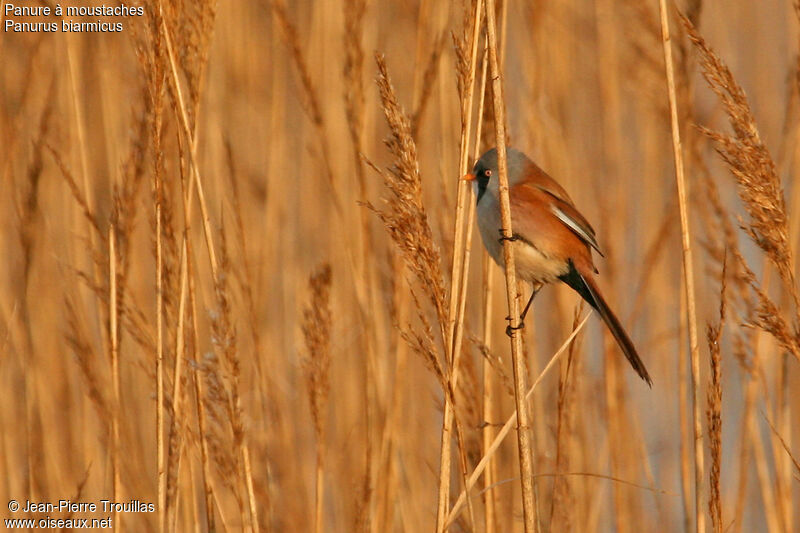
(421,341)
(27,204)
(497,365)
(78,339)
(714,408)
(77,194)
(317,324)
(785,446)
(428,84)
(311,98)
(353,71)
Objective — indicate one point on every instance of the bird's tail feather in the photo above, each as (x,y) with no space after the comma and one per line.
(586,287)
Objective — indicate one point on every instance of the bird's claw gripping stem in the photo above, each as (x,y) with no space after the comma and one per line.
(510,239)
(511,329)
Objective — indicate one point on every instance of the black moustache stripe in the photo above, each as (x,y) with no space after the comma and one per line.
(483,182)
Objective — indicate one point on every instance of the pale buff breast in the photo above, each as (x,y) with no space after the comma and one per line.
(532,264)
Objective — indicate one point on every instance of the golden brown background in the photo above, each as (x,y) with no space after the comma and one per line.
(93,134)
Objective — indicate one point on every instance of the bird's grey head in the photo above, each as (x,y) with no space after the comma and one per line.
(486,174)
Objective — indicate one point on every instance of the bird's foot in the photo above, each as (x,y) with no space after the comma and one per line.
(510,239)
(511,329)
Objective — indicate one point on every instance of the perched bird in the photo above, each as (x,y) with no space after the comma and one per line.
(552,240)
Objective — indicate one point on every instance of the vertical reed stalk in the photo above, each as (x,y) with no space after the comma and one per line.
(385,511)
(187,130)
(458,291)
(114,336)
(770,506)
(523,428)
(752,434)
(161,462)
(188,289)
(208,491)
(688,271)
(179,334)
(609,88)
(783,417)
(80,131)
(488,290)
(487,433)
(354,11)
(745,450)
(683,416)
(177,370)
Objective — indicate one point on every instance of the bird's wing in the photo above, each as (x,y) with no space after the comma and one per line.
(571,217)
(553,197)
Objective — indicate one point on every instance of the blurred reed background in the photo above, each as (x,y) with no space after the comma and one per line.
(202,306)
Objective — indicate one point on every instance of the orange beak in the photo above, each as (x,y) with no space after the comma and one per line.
(469,176)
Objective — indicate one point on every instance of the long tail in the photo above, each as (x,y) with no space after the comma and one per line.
(586,287)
